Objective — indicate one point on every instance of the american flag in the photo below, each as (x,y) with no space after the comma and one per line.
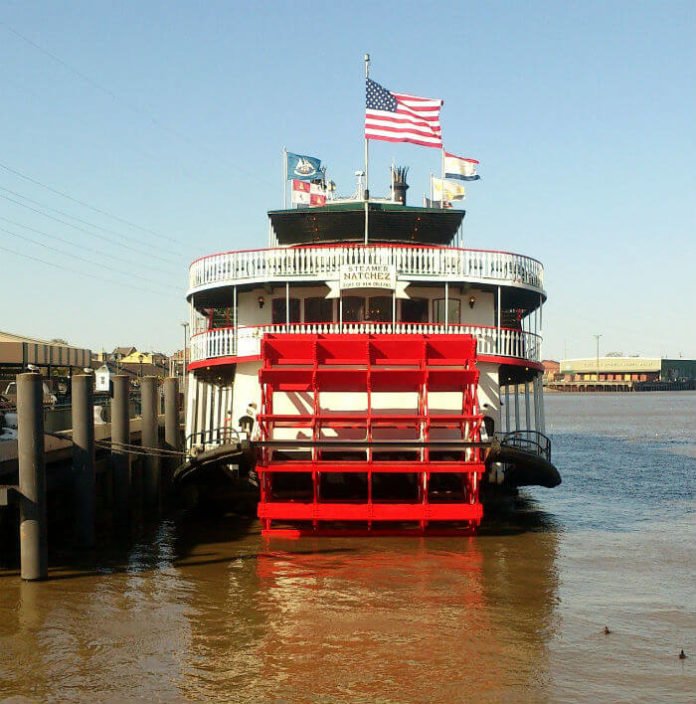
(397,117)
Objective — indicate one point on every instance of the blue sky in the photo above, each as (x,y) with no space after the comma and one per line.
(171,116)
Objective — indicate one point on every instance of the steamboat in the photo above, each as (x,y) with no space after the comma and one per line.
(365,372)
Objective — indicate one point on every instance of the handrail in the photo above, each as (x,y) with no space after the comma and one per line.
(528,440)
(405,245)
(324,262)
(246,341)
(214,437)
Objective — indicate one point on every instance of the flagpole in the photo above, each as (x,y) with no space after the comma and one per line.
(285,178)
(366,194)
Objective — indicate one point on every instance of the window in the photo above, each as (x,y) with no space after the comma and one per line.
(353,309)
(454,307)
(414,310)
(379,309)
(318,310)
(278,313)
(376,309)
(221,318)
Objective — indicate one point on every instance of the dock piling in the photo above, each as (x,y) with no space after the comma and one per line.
(172,427)
(33,537)
(83,459)
(150,413)
(120,438)
(171,413)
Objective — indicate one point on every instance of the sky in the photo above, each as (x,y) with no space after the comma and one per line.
(137,136)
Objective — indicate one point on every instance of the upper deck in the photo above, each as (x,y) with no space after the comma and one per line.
(412,263)
(344,221)
(340,283)
(318,243)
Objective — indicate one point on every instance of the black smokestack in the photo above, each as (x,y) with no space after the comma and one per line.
(399,185)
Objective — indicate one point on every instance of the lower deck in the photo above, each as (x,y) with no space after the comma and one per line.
(385,433)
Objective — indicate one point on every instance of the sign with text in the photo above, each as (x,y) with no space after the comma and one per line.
(367,276)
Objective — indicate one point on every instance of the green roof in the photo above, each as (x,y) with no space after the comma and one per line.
(345,222)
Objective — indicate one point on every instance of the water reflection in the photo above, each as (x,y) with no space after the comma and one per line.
(193,611)
(379,620)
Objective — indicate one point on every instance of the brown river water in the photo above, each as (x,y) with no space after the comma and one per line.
(204,609)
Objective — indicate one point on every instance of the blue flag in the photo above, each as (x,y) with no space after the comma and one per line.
(303,168)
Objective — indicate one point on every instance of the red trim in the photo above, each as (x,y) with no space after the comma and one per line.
(222,361)
(515,361)
(296,533)
(494,359)
(340,467)
(326,511)
(490,359)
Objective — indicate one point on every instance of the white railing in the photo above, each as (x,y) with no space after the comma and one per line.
(323,263)
(213,343)
(247,340)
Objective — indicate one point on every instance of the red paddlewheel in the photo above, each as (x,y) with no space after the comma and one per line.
(369,434)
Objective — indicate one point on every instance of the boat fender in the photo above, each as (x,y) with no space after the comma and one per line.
(231,470)
(196,450)
(98,415)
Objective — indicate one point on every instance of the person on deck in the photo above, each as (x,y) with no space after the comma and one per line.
(247,421)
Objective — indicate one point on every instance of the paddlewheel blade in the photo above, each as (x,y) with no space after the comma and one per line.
(369,434)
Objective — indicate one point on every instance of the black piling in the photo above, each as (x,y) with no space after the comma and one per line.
(172,433)
(120,438)
(33,538)
(83,459)
(150,413)
(172,428)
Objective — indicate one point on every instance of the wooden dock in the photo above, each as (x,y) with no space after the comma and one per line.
(122,465)
(591,385)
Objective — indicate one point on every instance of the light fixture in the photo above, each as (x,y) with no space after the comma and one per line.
(262,301)
(472,301)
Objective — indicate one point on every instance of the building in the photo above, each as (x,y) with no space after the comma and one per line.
(552,371)
(102,378)
(177,361)
(56,359)
(624,374)
(17,351)
(118,354)
(134,363)
(137,357)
